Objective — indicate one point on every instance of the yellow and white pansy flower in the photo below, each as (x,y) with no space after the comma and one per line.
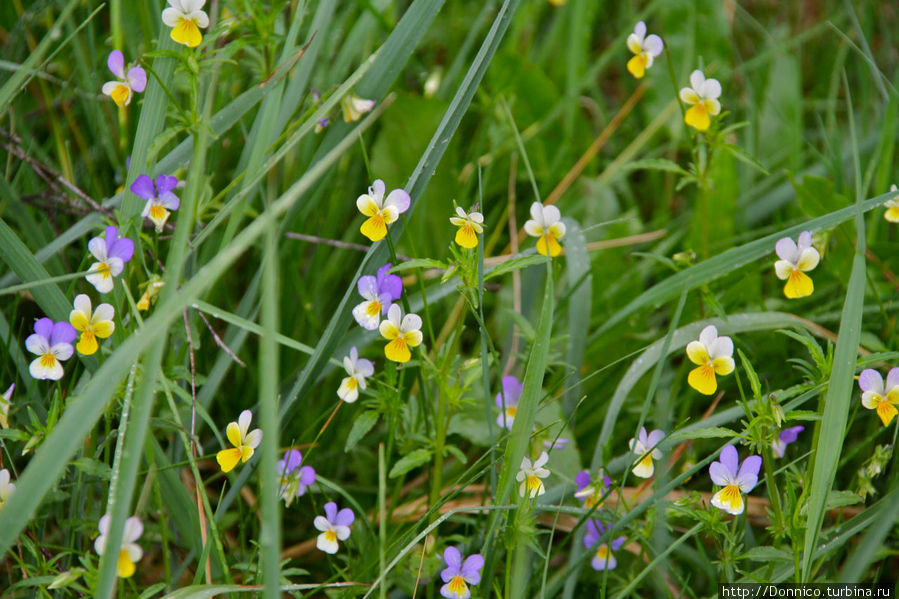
(244,441)
(546,226)
(130,552)
(6,487)
(702,96)
(91,324)
(892,206)
(5,404)
(381,211)
(876,396)
(353,107)
(471,224)
(795,261)
(645,49)
(530,476)
(402,332)
(357,369)
(645,448)
(713,355)
(186,19)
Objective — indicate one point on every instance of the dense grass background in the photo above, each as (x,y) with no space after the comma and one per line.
(500,103)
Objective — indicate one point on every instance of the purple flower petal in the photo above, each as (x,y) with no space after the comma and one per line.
(720,475)
(471,569)
(582,479)
(165,183)
(63,332)
(345,517)
(512,391)
(789,435)
(143,187)
(367,286)
(389,284)
(654,438)
(44,328)
(168,200)
(617,543)
(749,472)
(400,199)
(593,534)
(730,459)
(892,378)
(123,249)
(870,380)
(138,78)
(292,459)
(453,559)
(116,63)
(307,475)
(331,511)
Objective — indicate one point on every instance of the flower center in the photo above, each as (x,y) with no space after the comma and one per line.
(331,535)
(120,95)
(533,482)
(157,212)
(731,495)
(603,552)
(104,270)
(351,382)
(457,585)
(511,411)
(48,360)
(374,308)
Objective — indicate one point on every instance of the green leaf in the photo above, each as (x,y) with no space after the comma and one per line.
(767,553)
(750,374)
(93,467)
(419,263)
(712,432)
(513,264)
(656,164)
(410,461)
(364,422)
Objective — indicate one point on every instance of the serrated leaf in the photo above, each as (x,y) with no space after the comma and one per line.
(514,264)
(364,422)
(712,432)
(410,461)
(93,467)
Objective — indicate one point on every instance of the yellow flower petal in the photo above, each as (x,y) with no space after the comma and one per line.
(887,412)
(723,365)
(466,237)
(702,378)
(892,214)
(124,565)
(374,228)
(79,320)
(233,434)
(186,32)
(697,117)
(697,353)
(729,499)
(88,344)
(798,285)
(637,66)
(104,328)
(398,351)
(548,246)
(644,468)
(246,452)
(121,95)
(228,458)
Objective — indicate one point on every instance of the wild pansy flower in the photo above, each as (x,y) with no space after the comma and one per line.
(321,124)
(644,48)
(458,574)
(335,526)
(91,324)
(380,211)
(795,261)
(643,446)
(160,200)
(379,293)
(786,436)
(357,370)
(734,479)
(402,332)
(604,559)
(111,253)
(471,224)
(702,96)
(546,226)
(6,487)
(591,492)
(244,442)
(293,479)
(154,285)
(130,552)
(53,345)
(186,19)
(877,397)
(892,206)
(5,403)
(530,476)
(507,401)
(135,80)
(713,355)
(354,107)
